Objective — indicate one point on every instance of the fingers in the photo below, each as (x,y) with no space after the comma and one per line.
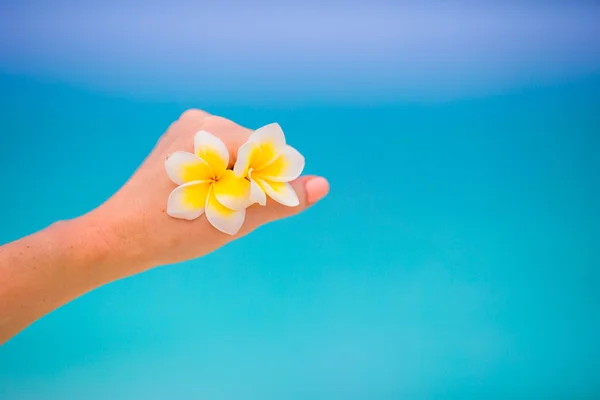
(310,189)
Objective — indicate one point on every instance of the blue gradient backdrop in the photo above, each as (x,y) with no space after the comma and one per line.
(458,258)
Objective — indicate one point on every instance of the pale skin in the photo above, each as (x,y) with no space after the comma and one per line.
(128,234)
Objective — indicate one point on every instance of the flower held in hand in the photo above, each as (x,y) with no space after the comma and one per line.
(207,186)
(269,164)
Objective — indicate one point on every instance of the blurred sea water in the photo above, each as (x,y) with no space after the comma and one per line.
(456,256)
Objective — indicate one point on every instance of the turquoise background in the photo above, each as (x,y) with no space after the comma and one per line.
(456,256)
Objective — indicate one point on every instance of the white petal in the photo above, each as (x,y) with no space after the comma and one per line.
(286,167)
(212,150)
(281,192)
(271,133)
(257,194)
(224,219)
(183,167)
(231,191)
(187,201)
(247,153)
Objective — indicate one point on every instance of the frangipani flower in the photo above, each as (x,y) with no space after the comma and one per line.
(269,164)
(207,186)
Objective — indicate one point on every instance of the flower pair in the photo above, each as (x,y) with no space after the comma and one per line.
(264,166)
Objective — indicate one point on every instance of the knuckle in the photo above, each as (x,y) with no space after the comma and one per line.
(173,126)
(193,113)
(168,133)
(214,121)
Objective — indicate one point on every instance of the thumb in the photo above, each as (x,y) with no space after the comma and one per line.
(309,189)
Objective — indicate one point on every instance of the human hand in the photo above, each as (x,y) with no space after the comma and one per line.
(134,224)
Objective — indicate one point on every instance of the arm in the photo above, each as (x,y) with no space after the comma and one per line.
(129,234)
(43,271)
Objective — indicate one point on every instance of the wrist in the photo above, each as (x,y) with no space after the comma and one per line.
(114,241)
(88,254)
(94,250)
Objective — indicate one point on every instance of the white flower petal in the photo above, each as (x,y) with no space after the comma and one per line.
(271,140)
(212,150)
(187,201)
(183,167)
(271,133)
(281,192)
(286,167)
(231,191)
(247,154)
(257,194)
(224,219)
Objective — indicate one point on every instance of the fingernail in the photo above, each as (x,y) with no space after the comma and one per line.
(316,189)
